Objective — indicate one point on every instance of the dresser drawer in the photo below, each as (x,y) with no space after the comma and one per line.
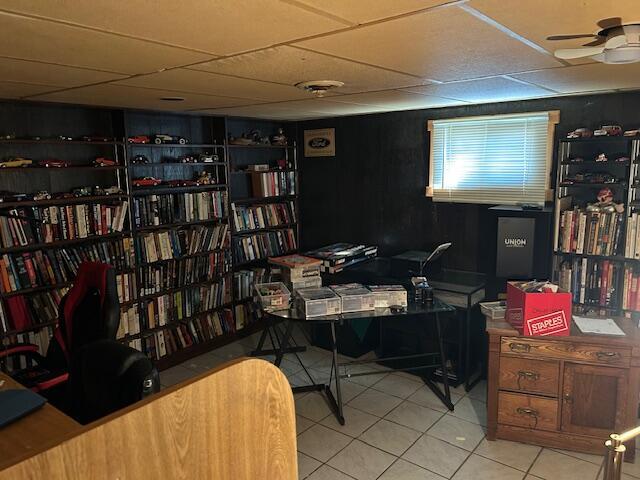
(543,348)
(527,411)
(529,376)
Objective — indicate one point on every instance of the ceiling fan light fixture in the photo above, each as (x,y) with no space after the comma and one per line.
(319,87)
(622,55)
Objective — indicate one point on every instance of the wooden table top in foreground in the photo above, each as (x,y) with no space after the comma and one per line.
(41,429)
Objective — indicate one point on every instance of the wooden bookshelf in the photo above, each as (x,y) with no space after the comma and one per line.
(591,247)
(209,135)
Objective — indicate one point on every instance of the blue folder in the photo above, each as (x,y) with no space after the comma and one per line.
(15,404)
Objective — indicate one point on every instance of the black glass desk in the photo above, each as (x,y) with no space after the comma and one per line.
(429,314)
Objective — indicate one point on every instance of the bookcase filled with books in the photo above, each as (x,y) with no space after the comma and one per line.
(169,200)
(65,200)
(263,172)
(597,236)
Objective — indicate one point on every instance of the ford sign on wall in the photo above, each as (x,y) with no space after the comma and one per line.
(320,142)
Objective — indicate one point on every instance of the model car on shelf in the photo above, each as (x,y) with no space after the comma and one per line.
(580,133)
(139,139)
(16,162)
(632,133)
(8,136)
(82,192)
(601,158)
(608,131)
(160,138)
(205,178)
(64,138)
(208,158)
(105,191)
(575,160)
(53,163)
(622,159)
(187,159)
(104,162)
(8,196)
(181,183)
(146,182)
(95,138)
(41,195)
(139,160)
(589,178)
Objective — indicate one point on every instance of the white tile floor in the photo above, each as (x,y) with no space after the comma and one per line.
(396,429)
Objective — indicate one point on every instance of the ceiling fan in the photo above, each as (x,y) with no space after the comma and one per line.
(615,42)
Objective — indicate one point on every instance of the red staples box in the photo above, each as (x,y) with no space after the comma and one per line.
(538,314)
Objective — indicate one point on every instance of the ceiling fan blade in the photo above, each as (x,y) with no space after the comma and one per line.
(569,37)
(606,23)
(571,53)
(615,42)
(596,43)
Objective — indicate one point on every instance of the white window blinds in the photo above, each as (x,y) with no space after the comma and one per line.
(499,159)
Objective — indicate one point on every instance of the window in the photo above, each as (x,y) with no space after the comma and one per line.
(502,159)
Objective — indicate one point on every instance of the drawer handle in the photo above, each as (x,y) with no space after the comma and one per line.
(526,375)
(607,355)
(529,412)
(520,347)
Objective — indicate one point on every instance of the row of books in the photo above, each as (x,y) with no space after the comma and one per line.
(179,207)
(129,320)
(156,278)
(170,244)
(243,281)
(246,314)
(262,245)
(631,289)
(61,222)
(192,332)
(263,216)
(126,286)
(273,184)
(184,303)
(593,233)
(56,266)
(26,311)
(338,256)
(632,245)
(41,338)
(591,282)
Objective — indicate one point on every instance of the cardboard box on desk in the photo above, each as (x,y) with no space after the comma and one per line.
(538,314)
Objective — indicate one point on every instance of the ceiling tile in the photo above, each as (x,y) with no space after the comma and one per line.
(494,89)
(122,96)
(443,44)
(361,12)
(214,84)
(272,111)
(328,107)
(289,65)
(49,74)
(17,90)
(40,40)
(586,78)
(396,100)
(215,26)
(553,17)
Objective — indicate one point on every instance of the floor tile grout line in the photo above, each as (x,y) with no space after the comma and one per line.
(533,463)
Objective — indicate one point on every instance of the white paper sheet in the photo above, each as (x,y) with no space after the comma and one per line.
(601,326)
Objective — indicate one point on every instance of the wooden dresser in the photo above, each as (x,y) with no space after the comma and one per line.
(562,392)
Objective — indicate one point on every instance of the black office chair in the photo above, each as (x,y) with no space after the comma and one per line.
(106,376)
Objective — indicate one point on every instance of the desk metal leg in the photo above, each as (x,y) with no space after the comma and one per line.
(446,398)
(270,330)
(284,343)
(467,347)
(337,403)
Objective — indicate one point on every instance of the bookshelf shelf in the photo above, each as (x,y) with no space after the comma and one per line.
(160,190)
(61,169)
(64,243)
(265,146)
(64,201)
(43,288)
(259,200)
(598,282)
(54,141)
(179,164)
(266,229)
(183,257)
(30,328)
(168,291)
(247,172)
(169,226)
(174,145)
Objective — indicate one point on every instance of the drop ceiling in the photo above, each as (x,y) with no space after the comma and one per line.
(243,57)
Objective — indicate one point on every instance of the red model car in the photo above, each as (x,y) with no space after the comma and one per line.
(104,162)
(139,139)
(147,182)
(52,162)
